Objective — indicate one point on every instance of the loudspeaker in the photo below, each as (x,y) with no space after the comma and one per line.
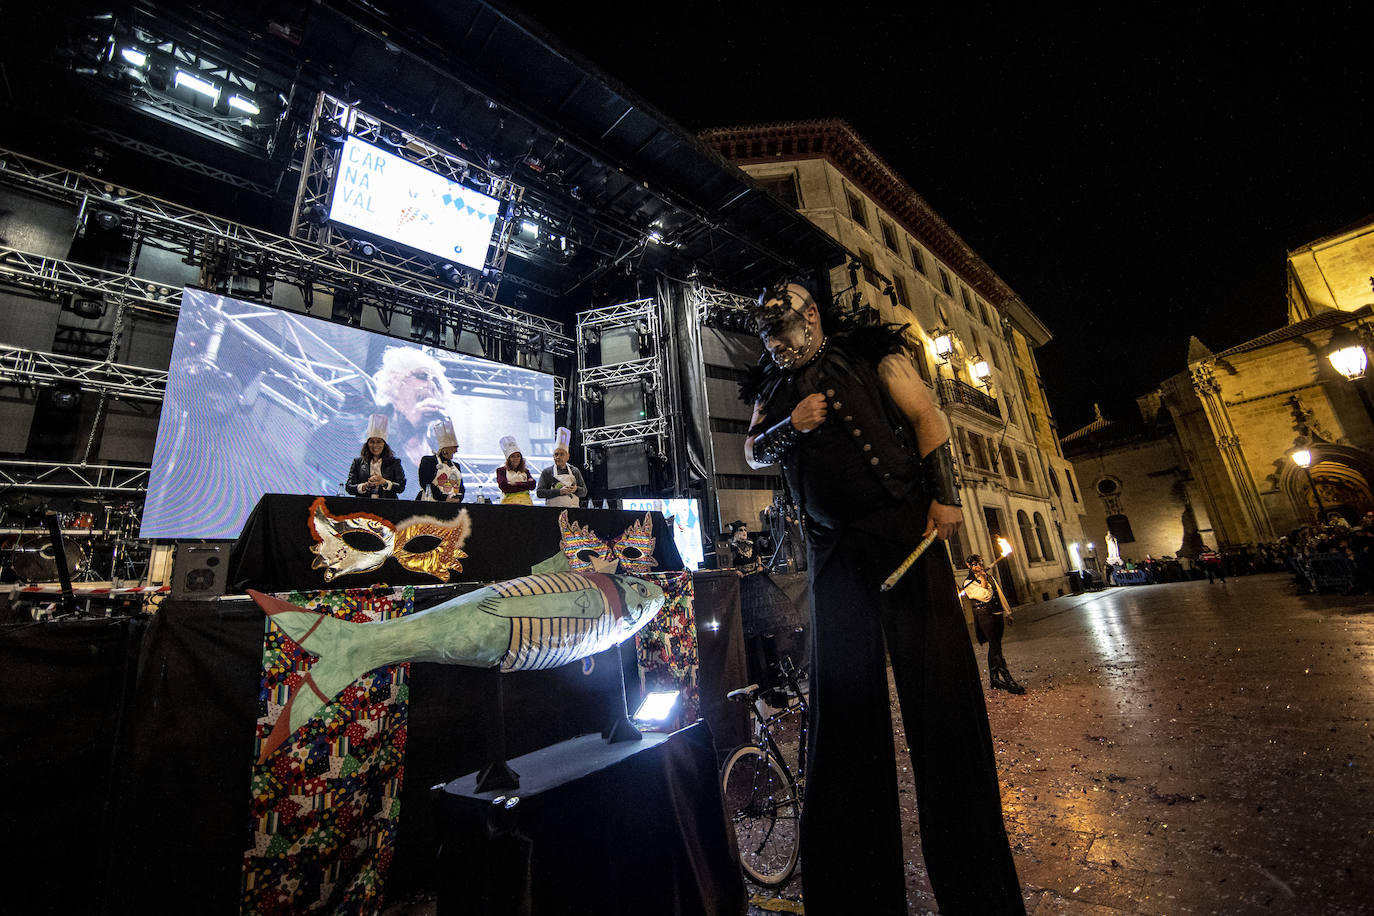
(199,570)
(626,466)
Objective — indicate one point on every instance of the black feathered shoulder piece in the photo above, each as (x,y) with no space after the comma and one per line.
(869,343)
(763,377)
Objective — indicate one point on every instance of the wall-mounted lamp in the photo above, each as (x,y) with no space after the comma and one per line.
(944,345)
(981,371)
(1347,354)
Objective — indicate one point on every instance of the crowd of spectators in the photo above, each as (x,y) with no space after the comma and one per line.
(1336,557)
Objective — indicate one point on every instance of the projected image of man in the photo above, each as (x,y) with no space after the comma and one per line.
(415,388)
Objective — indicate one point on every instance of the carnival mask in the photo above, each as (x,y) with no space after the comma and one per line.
(361,542)
(630,553)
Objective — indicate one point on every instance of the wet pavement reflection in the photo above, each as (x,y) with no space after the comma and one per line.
(1188,747)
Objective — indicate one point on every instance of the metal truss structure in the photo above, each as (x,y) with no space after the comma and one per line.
(37,369)
(335,120)
(55,475)
(706,298)
(226,249)
(649,371)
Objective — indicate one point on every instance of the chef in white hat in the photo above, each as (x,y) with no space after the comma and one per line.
(514,477)
(440,479)
(376,473)
(562,483)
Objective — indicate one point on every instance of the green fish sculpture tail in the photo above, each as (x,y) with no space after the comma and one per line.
(527,624)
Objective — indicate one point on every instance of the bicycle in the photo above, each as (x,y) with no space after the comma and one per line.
(763,794)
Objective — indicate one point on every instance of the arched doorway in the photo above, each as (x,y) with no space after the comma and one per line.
(1340,476)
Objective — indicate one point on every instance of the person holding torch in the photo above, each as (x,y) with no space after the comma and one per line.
(990,615)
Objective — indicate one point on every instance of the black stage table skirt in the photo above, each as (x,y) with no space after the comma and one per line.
(273,552)
(636,827)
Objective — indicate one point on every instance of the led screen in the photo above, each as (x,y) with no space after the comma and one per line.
(261,400)
(682,514)
(381,193)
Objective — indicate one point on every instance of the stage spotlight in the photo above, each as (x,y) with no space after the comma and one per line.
(317,215)
(592,338)
(449,274)
(362,248)
(575,192)
(134,57)
(239,103)
(657,707)
(198,85)
(331,131)
(393,137)
(594,395)
(87,308)
(529,228)
(65,398)
(105,220)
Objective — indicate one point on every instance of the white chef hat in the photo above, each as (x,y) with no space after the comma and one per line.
(441,431)
(509,446)
(376,427)
(562,438)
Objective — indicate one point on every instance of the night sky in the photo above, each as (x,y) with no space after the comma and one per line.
(1137,176)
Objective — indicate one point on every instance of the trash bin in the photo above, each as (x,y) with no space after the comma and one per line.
(1076,581)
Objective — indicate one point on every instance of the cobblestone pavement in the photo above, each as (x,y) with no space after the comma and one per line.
(1185,748)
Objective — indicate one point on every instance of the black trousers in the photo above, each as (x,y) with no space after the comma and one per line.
(991,624)
(851,831)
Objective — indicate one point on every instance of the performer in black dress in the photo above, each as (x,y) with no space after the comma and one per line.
(746,560)
(376,473)
(865,454)
(440,479)
(990,615)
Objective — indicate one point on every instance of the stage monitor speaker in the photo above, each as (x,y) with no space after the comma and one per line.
(199,570)
(626,466)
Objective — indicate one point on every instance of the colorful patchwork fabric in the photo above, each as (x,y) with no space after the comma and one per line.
(667,647)
(325,806)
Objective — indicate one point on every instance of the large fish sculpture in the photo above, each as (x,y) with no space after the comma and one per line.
(527,624)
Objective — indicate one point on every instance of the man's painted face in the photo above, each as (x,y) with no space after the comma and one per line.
(419,395)
(785,332)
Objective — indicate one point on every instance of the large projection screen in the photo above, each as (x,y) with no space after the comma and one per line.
(383,194)
(260,400)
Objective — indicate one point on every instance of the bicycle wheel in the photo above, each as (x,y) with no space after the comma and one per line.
(761,801)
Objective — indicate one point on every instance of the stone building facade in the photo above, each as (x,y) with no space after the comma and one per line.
(914,269)
(1237,417)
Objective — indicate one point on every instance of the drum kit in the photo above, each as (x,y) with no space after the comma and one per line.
(99,538)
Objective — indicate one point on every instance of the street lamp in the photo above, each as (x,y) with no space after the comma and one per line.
(944,344)
(1347,354)
(1303,459)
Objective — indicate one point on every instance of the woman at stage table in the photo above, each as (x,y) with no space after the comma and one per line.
(376,473)
(514,477)
(440,479)
(561,484)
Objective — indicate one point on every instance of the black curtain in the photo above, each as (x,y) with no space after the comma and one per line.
(692,458)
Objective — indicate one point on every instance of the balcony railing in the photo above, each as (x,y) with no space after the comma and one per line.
(956,393)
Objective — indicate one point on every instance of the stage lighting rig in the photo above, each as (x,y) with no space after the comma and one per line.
(449,274)
(362,248)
